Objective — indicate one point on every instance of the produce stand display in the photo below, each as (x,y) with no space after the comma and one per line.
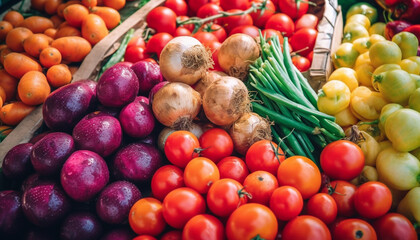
(319,142)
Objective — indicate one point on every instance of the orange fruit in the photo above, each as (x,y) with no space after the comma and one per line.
(59,75)
(33,88)
(50,56)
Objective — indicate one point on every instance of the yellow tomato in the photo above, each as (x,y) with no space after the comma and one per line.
(385,112)
(415,59)
(370,148)
(403,129)
(414,100)
(345,118)
(368,173)
(345,56)
(364,74)
(377,28)
(410,66)
(384,145)
(353,31)
(365,104)
(333,97)
(362,59)
(384,52)
(381,69)
(410,205)
(362,45)
(347,76)
(395,85)
(359,19)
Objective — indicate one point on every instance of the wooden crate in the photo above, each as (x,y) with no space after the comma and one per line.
(329,37)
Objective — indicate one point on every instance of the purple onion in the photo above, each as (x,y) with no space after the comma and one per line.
(137,119)
(17,163)
(148,74)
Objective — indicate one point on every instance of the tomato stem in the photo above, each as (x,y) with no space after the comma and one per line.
(257,237)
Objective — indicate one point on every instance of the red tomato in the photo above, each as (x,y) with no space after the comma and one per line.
(200,173)
(372,199)
(322,206)
(343,194)
(187,26)
(162,19)
(264,155)
(250,30)
(166,179)
(300,172)
(342,160)
(182,31)
(353,228)
(146,217)
(172,235)
(180,205)
(216,144)
(305,228)
(394,226)
(310,56)
(157,42)
(234,4)
(234,21)
(307,21)
(301,63)
(294,9)
(250,220)
(205,38)
(234,168)
(261,185)
(268,33)
(204,227)
(136,41)
(282,23)
(209,9)
(303,40)
(196,4)
(180,7)
(214,47)
(224,196)
(134,54)
(180,148)
(286,202)
(216,30)
(144,237)
(260,20)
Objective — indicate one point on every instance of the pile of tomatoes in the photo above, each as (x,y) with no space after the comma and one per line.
(283,18)
(205,192)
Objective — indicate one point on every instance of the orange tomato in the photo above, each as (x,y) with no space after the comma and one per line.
(261,185)
(146,217)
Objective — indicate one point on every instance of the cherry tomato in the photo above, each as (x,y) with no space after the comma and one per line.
(162,19)
(204,227)
(180,205)
(200,173)
(234,168)
(134,54)
(300,172)
(182,31)
(234,21)
(353,228)
(394,226)
(307,21)
(250,220)
(216,144)
(216,30)
(301,63)
(172,235)
(234,4)
(322,206)
(136,41)
(187,26)
(180,7)
(343,194)
(268,33)
(264,155)
(206,38)
(166,179)
(305,228)
(250,30)
(224,196)
(261,185)
(146,217)
(372,199)
(294,9)
(157,42)
(342,160)
(196,4)
(286,202)
(303,40)
(209,9)
(214,47)
(260,20)
(180,148)
(282,23)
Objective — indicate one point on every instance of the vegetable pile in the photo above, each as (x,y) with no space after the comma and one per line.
(226,141)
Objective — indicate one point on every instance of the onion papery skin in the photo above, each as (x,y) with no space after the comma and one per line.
(176,104)
(184,59)
(225,100)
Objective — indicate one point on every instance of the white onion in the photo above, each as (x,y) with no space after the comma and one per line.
(176,104)
(206,80)
(247,130)
(225,100)
(184,59)
(236,53)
